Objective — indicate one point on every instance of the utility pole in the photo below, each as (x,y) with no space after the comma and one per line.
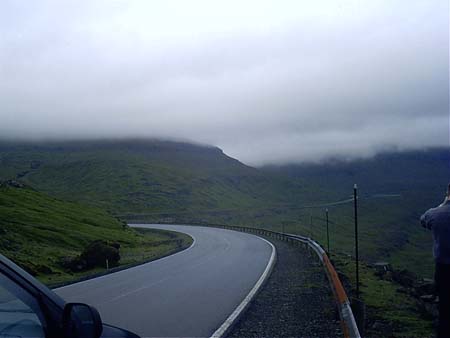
(328,233)
(355,200)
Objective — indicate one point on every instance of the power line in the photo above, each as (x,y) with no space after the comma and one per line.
(280,205)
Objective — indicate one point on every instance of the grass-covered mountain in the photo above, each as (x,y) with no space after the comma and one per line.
(137,176)
(38,231)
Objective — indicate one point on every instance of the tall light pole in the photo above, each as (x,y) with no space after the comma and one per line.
(355,200)
(328,233)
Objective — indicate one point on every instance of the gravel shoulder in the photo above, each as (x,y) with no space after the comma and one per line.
(295,302)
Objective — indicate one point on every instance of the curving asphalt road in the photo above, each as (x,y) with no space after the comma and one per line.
(188,294)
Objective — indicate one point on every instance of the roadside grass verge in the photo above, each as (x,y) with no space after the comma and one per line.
(155,244)
(38,231)
(390,311)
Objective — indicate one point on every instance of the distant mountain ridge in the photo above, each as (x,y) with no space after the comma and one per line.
(153,175)
(385,172)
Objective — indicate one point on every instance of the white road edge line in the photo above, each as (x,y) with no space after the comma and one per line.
(231,320)
(131,267)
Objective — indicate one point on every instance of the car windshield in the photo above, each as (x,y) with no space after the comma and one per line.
(19,311)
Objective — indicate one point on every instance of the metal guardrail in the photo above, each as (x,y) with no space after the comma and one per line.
(345,311)
(348,323)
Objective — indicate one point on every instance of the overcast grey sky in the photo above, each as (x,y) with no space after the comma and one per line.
(267,81)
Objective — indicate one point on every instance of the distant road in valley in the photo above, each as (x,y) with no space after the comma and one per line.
(187,294)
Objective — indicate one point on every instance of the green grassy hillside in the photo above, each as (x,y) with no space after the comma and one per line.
(37,231)
(139,176)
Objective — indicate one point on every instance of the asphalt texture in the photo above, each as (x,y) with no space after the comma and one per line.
(296,301)
(188,294)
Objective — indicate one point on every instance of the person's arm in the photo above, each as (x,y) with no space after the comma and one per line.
(425,220)
(445,201)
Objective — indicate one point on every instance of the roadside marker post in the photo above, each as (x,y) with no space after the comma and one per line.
(328,234)
(355,199)
(359,308)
